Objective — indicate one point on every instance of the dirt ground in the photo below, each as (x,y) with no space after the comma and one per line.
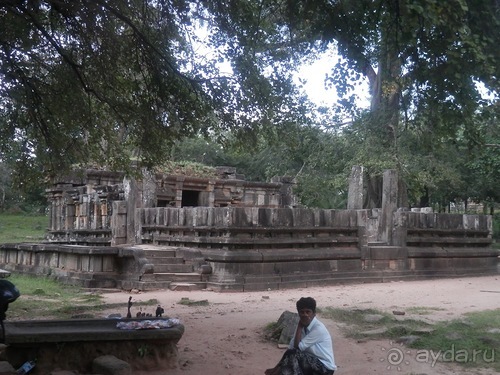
(226,337)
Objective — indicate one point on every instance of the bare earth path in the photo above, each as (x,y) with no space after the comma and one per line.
(225,337)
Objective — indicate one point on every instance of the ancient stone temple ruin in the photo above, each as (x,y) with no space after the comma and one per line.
(228,234)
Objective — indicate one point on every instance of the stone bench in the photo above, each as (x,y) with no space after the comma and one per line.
(74,344)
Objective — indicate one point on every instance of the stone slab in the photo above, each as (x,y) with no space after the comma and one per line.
(78,330)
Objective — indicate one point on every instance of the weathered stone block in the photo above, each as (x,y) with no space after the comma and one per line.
(303,217)
(349,265)
(283,217)
(241,217)
(110,365)
(95,264)
(108,263)
(387,252)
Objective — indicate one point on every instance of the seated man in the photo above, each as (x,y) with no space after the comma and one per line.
(311,349)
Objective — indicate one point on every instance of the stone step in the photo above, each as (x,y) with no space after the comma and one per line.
(144,285)
(186,287)
(166,260)
(340,278)
(157,253)
(172,268)
(377,243)
(387,252)
(304,280)
(173,277)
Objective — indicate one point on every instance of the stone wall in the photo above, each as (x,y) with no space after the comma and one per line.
(92,207)
(259,248)
(251,248)
(87,266)
(249,236)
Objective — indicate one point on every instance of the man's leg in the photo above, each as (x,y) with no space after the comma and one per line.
(311,365)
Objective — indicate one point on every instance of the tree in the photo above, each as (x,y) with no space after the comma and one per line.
(94,81)
(317,160)
(481,168)
(426,61)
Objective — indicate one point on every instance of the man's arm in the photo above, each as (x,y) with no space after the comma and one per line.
(298,336)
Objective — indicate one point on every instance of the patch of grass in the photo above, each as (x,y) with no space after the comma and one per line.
(356,316)
(371,323)
(422,310)
(45,298)
(272,331)
(473,341)
(16,228)
(188,302)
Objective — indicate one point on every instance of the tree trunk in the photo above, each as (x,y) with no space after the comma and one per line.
(386,93)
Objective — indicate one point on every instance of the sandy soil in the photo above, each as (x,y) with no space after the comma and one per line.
(226,337)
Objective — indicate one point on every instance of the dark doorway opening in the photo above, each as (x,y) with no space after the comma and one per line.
(164,203)
(190,198)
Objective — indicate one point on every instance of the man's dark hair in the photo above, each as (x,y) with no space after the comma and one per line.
(306,303)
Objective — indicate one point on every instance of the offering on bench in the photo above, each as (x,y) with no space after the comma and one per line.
(148,324)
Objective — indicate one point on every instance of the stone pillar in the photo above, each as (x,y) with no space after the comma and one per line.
(389,205)
(138,194)
(148,189)
(119,223)
(131,191)
(70,214)
(52,212)
(179,184)
(355,195)
(211,193)
(287,198)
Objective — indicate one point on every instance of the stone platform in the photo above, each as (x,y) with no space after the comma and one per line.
(74,344)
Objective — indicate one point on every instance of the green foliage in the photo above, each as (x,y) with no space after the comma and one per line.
(22,228)
(20,196)
(187,168)
(106,82)
(272,331)
(319,161)
(423,310)
(475,333)
(496,227)
(356,317)
(144,350)
(189,302)
(44,298)
(425,62)
(200,150)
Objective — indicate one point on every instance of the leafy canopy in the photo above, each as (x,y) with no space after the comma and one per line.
(94,81)
(104,82)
